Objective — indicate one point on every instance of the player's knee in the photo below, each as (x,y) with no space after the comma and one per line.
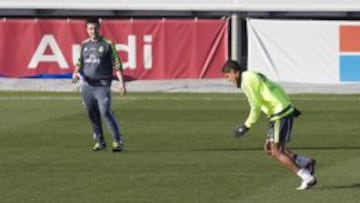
(275,151)
(267,151)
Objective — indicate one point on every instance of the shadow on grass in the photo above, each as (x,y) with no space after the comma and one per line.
(243,149)
(197,150)
(227,149)
(337,187)
(292,148)
(327,148)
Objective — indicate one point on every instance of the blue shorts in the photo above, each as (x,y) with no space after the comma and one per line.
(280,130)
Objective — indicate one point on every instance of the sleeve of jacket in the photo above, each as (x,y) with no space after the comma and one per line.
(79,61)
(115,58)
(251,88)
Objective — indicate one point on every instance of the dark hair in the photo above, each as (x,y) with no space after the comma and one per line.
(92,20)
(231,65)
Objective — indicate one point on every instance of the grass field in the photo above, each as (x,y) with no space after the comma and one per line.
(180,150)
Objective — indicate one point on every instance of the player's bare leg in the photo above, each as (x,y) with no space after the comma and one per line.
(279,154)
(302,161)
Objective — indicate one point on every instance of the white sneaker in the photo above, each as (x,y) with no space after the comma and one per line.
(307,184)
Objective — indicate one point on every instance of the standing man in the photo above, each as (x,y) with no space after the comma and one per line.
(266,96)
(98,60)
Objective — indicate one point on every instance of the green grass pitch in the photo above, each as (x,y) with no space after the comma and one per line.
(180,150)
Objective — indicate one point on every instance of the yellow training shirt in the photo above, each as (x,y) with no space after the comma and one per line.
(264,95)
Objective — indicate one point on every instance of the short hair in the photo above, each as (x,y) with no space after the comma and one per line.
(231,65)
(92,20)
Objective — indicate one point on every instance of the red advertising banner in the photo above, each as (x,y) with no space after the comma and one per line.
(149,49)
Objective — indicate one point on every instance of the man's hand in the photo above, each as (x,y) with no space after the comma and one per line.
(240,130)
(75,77)
(122,90)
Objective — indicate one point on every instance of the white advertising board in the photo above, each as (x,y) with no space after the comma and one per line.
(305,51)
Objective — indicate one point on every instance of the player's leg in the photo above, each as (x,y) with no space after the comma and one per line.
(278,135)
(302,161)
(94,116)
(277,152)
(103,96)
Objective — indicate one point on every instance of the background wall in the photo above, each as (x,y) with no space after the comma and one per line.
(237,11)
(149,49)
(304,51)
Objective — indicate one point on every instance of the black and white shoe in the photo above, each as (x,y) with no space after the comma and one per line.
(311,166)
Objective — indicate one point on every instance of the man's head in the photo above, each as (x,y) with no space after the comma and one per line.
(92,28)
(232,71)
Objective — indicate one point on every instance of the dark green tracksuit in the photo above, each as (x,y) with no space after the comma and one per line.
(97,61)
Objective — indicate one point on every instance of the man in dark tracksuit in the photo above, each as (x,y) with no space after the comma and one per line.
(98,60)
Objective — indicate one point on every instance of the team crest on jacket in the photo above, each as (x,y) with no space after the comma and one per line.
(101,49)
